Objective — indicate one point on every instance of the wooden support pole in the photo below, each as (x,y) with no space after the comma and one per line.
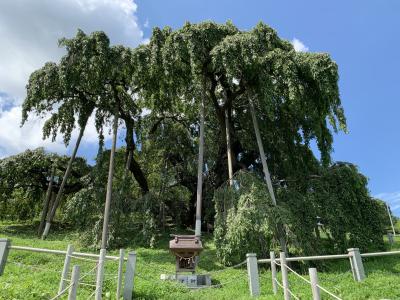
(267,175)
(100,275)
(273,272)
(4,249)
(285,279)
(228,148)
(199,194)
(252,270)
(356,263)
(63,183)
(390,218)
(107,206)
(74,283)
(129,276)
(46,202)
(120,269)
(64,273)
(314,284)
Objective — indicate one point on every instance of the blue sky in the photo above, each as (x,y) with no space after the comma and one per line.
(363,37)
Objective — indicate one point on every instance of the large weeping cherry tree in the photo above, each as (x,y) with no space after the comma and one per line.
(291,95)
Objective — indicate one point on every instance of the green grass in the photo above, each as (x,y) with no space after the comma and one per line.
(24,282)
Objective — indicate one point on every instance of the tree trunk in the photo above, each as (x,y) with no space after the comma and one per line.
(64,182)
(46,202)
(200,171)
(133,165)
(267,176)
(109,182)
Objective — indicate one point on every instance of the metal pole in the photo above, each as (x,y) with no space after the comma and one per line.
(200,171)
(314,283)
(390,217)
(120,267)
(273,272)
(64,274)
(285,280)
(75,282)
(109,182)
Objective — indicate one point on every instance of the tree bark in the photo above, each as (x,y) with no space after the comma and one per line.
(109,182)
(64,181)
(199,193)
(132,164)
(46,202)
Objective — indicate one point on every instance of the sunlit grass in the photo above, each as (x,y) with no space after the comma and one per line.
(20,281)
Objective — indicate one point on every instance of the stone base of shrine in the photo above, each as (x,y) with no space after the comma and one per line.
(190,280)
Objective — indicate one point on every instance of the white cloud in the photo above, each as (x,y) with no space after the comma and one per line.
(392,199)
(29,31)
(146,24)
(299,46)
(14,139)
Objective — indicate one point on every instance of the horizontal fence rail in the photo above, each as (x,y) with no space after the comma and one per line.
(379,253)
(61,252)
(71,284)
(304,258)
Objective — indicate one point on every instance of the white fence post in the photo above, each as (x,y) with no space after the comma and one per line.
(74,283)
(120,268)
(100,274)
(4,244)
(273,272)
(252,270)
(356,264)
(129,276)
(64,274)
(314,284)
(285,280)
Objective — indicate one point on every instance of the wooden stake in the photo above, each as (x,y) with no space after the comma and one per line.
(200,172)
(109,182)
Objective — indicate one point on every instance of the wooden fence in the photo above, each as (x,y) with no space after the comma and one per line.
(70,285)
(354,256)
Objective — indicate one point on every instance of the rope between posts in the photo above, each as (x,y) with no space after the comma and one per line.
(87,284)
(328,292)
(92,294)
(90,272)
(228,268)
(309,282)
(298,275)
(62,292)
(276,280)
(290,292)
(83,258)
(294,296)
